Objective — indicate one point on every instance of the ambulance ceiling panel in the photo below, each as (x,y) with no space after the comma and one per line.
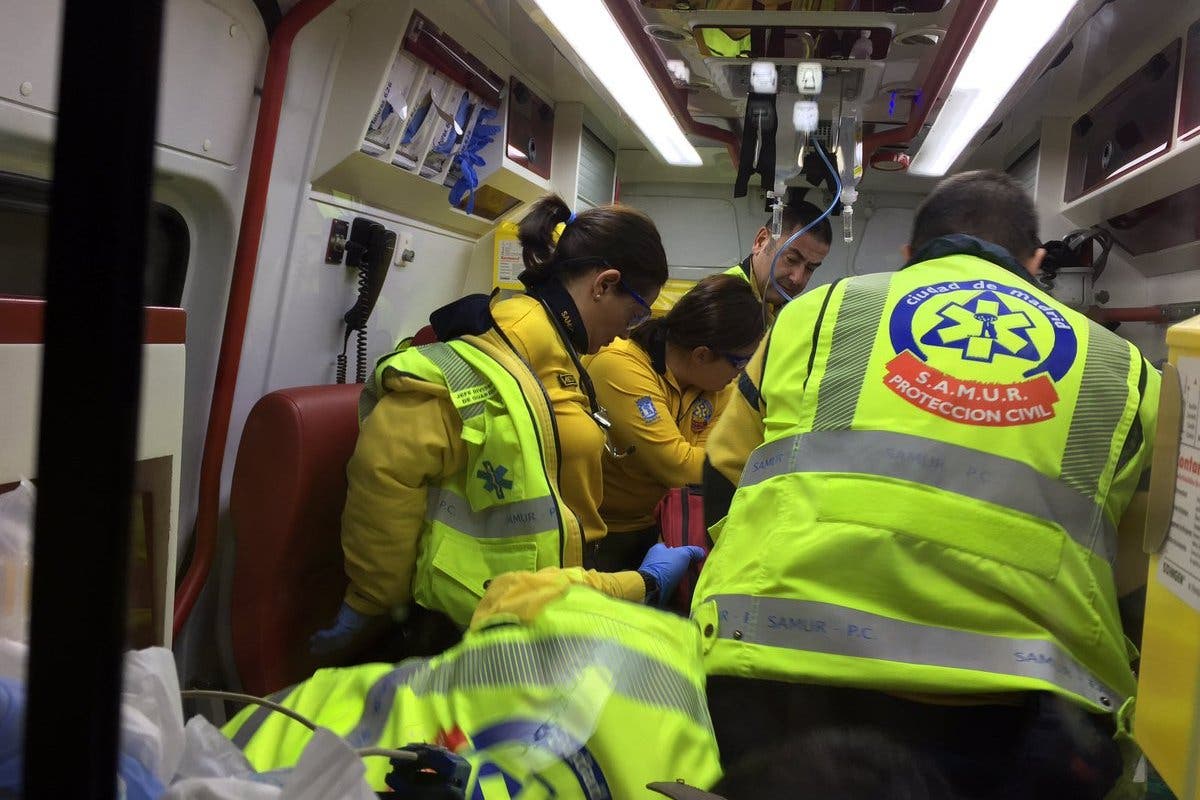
(718,38)
(854,6)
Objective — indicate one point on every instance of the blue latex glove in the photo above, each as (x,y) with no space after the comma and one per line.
(12,737)
(138,782)
(349,624)
(666,565)
(469,159)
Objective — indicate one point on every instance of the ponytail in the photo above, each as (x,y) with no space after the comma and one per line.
(556,243)
(537,235)
(651,334)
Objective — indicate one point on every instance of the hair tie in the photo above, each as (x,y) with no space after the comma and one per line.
(571,218)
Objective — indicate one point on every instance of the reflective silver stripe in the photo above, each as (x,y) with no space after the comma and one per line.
(250,727)
(845,367)
(522,518)
(1102,400)
(556,661)
(460,377)
(961,470)
(837,630)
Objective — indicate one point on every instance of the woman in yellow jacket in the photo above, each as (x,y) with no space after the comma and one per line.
(665,386)
(480,455)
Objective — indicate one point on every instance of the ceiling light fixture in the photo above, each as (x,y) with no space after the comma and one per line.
(1011,38)
(591,32)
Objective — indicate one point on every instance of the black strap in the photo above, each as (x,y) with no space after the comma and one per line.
(750,391)
(718,494)
(585,380)
(812,352)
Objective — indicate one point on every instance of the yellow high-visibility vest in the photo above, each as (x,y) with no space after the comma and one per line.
(948,452)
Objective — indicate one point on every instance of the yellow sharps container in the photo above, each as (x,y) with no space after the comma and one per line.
(1167,722)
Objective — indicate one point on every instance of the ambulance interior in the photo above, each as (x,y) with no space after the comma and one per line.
(295,136)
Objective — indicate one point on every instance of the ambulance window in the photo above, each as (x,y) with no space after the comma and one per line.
(24,221)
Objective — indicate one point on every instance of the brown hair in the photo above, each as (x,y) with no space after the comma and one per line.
(615,236)
(720,312)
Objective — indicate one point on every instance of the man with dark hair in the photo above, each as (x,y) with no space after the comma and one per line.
(796,265)
(989,205)
(923,536)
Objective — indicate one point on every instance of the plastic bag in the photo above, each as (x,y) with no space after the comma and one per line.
(214,769)
(221,789)
(16,540)
(208,754)
(327,768)
(151,712)
(151,721)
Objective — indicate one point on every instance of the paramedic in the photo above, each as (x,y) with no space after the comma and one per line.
(930,480)
(795,267)
(662,387)
(480,454)
(540,696)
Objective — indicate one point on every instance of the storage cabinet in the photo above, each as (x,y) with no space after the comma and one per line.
(403,145)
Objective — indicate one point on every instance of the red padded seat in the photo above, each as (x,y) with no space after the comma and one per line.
(289,486)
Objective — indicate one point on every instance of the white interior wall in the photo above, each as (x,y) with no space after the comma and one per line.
(295,327)
(215,52)
(705,230)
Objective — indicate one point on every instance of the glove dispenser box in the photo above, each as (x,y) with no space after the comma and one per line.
(446,115)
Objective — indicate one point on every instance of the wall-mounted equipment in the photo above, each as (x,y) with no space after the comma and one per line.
(1189,99)
(447,135)
(1071,266)
(1134,154)
(369,250)
(1130,126)
(530,129)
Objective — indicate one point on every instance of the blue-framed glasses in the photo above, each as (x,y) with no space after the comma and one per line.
(739,362)
(636,319)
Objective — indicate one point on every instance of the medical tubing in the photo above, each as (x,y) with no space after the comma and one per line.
(837,196)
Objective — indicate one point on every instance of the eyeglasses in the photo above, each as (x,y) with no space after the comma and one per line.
(739,362)
(639,318)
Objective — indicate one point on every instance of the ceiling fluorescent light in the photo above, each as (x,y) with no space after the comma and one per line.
(589,30)
(1015,32)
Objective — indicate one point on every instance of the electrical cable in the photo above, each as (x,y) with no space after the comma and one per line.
(399,755)
(780,250)
(360,347)
(189,694)
(362,752)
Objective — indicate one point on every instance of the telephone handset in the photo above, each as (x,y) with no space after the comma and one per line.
(370,249)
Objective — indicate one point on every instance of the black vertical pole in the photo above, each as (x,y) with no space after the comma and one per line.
(91,375)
